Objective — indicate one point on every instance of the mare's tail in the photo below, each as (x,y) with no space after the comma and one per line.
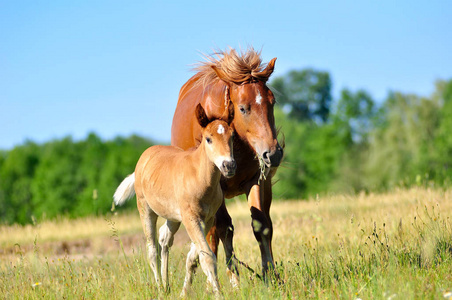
(125,190)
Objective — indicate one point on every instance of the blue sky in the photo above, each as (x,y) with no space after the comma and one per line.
(115,68)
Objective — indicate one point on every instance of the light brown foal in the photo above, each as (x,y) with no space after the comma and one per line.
(182,186)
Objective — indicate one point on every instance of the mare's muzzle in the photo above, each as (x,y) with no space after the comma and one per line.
(273,158)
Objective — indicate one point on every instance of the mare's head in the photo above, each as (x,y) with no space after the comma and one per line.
(245,77)
(217,138)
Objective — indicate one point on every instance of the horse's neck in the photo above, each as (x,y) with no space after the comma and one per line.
(207,171)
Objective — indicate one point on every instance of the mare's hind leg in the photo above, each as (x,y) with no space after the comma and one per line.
(149,223)
(196,229)
(166,239)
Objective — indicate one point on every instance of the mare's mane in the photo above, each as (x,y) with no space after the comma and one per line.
(236,68)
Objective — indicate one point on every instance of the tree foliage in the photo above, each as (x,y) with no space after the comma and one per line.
(306,94)
(362,145)
(64,177)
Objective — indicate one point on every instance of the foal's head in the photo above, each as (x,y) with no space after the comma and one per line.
(217,138)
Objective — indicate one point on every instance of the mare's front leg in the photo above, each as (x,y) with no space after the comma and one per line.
(149,222)
(224,230)
(196,229)
(259,201)
(167,232)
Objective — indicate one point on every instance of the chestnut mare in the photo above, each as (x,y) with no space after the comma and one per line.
(182,186)
(240,79)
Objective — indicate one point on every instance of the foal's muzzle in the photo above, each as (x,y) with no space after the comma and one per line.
(228,168)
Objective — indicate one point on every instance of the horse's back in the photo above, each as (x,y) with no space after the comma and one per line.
(158,159)
(156,180)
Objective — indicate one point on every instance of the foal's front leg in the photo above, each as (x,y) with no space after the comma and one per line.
(167,232)
(197,229)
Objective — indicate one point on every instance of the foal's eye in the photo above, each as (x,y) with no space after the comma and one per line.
(208,140)
(242,109)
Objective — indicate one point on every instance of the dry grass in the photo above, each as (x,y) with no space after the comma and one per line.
(397,245)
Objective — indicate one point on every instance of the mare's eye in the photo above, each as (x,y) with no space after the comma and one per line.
(242,109)
(208,140)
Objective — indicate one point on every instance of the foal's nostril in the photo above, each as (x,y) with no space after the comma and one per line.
(229,168)
(229,165)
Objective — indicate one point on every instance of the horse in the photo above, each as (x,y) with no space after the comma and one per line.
(238,78)
(182,186)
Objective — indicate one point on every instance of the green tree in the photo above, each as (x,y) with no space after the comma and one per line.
(17,169)
(93,155)
(291,176)
(355,112)
(313,154)
(319,140)
(443,138)
(305,94)
(353,120)
(65,177)
(122,157)
(401,146)
(57,183)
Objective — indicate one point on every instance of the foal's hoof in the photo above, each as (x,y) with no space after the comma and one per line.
(233,279)
(218,295)
(185,293)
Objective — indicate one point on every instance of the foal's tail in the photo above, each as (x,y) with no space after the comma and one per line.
(125,190)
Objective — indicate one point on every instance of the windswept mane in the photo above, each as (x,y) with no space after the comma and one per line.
(233,67)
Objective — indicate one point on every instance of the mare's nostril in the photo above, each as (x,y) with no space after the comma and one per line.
(266,157)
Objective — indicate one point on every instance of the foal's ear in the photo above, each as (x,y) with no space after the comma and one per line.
(201,116)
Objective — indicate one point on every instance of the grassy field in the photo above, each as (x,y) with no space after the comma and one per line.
(396,245)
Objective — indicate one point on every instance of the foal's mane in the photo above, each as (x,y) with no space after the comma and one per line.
(237,68)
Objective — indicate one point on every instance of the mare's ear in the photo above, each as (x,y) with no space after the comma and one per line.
(201,116)
(265,73)
(220,73)
(230,112)
(270,67)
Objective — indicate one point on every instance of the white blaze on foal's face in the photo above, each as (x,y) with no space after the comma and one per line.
(220,129)
(258,98)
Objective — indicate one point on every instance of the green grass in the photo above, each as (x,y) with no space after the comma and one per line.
(396,245)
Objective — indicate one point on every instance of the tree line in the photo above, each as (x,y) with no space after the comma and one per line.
(354,144)
(64,177)
(345,145)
